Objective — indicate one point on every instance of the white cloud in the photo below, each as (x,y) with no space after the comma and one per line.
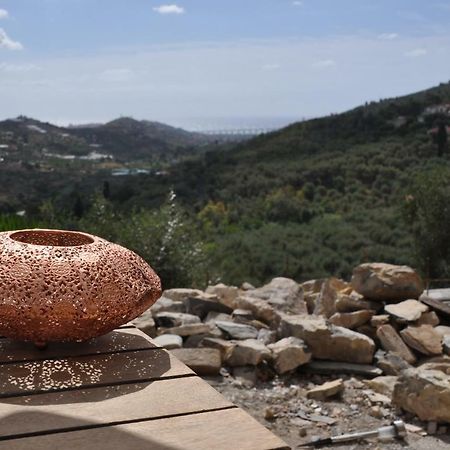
(417,52)
(169,9)
(7,42)
(387,36)
(297,3)
(116,75)
(14,68)
(324,63)
(271,67)
(3,14)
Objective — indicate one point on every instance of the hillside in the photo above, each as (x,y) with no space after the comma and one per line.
(312,200)
(317,197)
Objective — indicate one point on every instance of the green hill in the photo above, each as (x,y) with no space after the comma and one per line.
(318,197)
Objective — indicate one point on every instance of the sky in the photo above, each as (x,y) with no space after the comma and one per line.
(208,64)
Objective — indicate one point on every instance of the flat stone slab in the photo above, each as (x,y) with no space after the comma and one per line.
(409,310)
(334,367)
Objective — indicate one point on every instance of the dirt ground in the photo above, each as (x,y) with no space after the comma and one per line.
(281,406)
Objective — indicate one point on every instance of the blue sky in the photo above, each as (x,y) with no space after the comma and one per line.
(202,64)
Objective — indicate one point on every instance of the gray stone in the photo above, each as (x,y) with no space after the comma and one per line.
(446,344)
(351,320)
(333,368)
(214,316)
(225,347)
(167,304)
(226,294)
(167,319)
(145,323)
(390,363)
(391,341)
(326,390)
(246,286)
(327,341)
(386,282)
(326,301)
(187,330)
(237,330)
(409,310)
(267,336)
(283,294)
(242,314)
(248,352)
(355,302)
(182,294)
(200,306)
(377,321)
(168,341)
(426,393)
(428,318)
(288,354)
(424,339)
(203,361)
(260,308)
(443,330)
(383,385)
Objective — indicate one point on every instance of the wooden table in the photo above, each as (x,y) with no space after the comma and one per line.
(117,392)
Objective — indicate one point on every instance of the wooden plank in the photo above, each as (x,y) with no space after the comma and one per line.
(107,405)
(119,340)
(87,371)
(219,430)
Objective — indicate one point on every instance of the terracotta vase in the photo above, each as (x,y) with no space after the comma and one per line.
(69,286)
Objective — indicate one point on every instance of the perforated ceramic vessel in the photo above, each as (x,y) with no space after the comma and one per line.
(69,286)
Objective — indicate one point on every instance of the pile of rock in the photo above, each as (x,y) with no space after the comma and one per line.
(377,324)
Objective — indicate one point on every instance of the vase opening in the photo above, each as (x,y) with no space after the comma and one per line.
(54,238)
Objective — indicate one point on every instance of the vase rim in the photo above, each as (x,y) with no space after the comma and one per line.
(46,237)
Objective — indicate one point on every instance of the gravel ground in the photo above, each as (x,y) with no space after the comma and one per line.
(281,405)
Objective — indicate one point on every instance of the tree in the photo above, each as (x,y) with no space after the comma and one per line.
(442,138)
(427,211)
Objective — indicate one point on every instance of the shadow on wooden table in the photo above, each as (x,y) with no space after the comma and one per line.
(76,434)
(72,372)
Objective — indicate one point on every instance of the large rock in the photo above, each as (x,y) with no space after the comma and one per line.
(213,316)
(260,308)
(425,393)
(424,339)
(327,341)
(283,294)
(351,320)
(203,361)
(355,302)
(201,306)
(167,304)
(237,330)
(225,347)
(383,385)
(392,342)
(187,330)
(226,294)
(326,301)
(390,363)
(408,310)
(167,319)
(386,282)
(168,341)
(288,354)
(248,352)
(182,294)
(145,323)
(311,292)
